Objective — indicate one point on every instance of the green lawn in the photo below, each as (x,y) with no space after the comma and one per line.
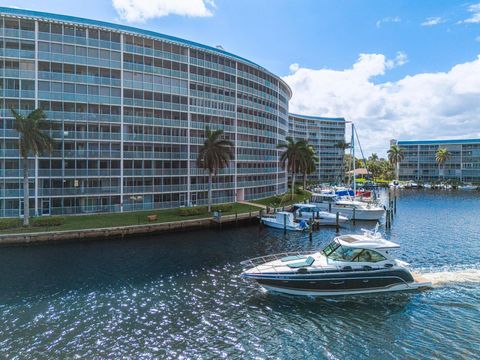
(283,200)
(78,222)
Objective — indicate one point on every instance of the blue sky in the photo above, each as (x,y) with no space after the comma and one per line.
(324,35)
(312,33)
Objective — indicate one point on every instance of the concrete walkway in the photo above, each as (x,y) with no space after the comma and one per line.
(260,206)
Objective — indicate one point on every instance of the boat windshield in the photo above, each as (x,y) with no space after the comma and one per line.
(336,252)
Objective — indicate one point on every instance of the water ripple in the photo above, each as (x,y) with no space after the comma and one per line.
(180,297)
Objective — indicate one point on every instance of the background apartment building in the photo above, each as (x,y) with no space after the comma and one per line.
(324,135)
(128,109)
(419,161)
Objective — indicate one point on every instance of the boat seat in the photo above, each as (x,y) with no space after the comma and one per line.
(307,262)
(293,257)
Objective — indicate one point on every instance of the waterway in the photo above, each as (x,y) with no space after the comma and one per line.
(179,295)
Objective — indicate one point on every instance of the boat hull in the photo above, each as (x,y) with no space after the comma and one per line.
(276,225)
(367,215)
(326,221)
(344,292)
(337,284)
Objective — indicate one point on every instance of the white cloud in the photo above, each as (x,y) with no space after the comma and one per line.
(475,17)
(294,67)
(141,10)
(400,59)
(420,106)
(432,21)
(392,19)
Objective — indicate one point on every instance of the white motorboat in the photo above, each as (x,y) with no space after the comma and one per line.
(411,185)
(468,187)
(362,210)
(395,184)
(309,212)
(282,220)
(349,265)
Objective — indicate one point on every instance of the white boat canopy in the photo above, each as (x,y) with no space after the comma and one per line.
(366,242)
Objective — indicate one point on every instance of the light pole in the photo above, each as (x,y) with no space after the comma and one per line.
(136,198)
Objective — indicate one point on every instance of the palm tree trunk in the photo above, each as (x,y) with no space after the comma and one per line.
(304,181)
(210,175)
(293,184)
(397,170)
(26,207)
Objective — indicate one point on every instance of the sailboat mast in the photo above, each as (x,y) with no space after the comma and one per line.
(353,159)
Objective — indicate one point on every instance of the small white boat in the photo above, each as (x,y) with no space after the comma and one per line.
(468,187)
(411,185)
(282,220)
(396,184)
(362,210)
(310,211)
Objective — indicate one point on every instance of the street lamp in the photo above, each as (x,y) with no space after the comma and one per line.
(136,198)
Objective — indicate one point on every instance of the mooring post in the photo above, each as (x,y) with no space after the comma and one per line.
(329,207)
(354,220)
(395,204)
(337,222)
(310,229)
(236,217)
(260,215)
(284,223)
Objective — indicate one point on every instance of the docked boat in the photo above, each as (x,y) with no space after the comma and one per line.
(282,220)
(309,212)
(468,187)
(363,210)
(349,265)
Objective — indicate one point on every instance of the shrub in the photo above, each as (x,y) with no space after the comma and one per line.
(192,211)
(48,221)
(6,224)
(222,207)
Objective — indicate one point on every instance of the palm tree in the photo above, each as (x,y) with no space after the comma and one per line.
(214,154)
(308,163)
(292,156)
(441,157)
(342,144)
(33,140)
(395,156)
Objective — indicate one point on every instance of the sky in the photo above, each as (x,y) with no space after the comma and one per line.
(403,69)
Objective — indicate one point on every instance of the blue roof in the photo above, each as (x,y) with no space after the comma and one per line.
(438,142)
(316,117)
(129,29)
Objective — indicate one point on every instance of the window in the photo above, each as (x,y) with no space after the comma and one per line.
(369,256)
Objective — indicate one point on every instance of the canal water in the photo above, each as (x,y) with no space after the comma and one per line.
(179,295)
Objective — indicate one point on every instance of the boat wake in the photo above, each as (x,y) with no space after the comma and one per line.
(452,276)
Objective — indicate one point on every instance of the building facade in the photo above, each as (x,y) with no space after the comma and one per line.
(127,109)
(419,160)
(324,135)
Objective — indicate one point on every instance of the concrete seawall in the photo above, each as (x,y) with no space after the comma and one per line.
(124,231)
